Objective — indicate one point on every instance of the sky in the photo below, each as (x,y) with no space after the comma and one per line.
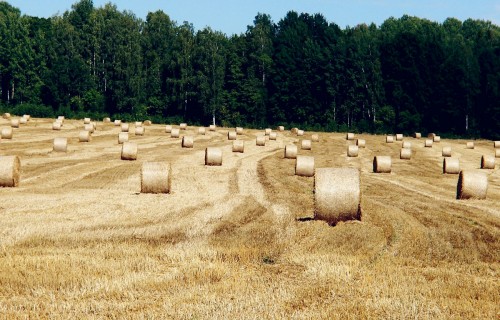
(233,16)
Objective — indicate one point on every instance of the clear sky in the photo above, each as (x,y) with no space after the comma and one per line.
(233,16)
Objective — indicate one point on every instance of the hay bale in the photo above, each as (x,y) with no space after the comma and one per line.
(273,136)
(89,127)
(472,184)
(304,166)
(470,145)
(497,153)
(84,136)
(175,133)
(428,143)
(6,115)
(212,127)
(106,120)
(139,131)
(122,137)
(129,151)
(389,139)
(10,171)
(86,120)
(239,130)
(437,139)
(337,195)
(125,127)
(138,124)
(239,146)
(168,128)
(202,130)
(62,118)
(147,123)
(23,121)
(294,130)
(213,156)
(349,136)
(451,165)
(56,126)
(260,141)
(431,135)
(406,145)
(361,143)
(382,164)
(290,151)
(300,133)
(417,135)
(14,123)
(183,126)
(268,131)
(281,128)
(187,141)
(405,154)
(315,138)
(305,145)
(446,151)
(487,162)
(155,177)
(352,150)
(27,117)
(496,144)
(231,135)
(7,133)
(399,137)
(117,123)
(60,144)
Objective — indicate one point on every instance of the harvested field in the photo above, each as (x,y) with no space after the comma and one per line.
(238,241)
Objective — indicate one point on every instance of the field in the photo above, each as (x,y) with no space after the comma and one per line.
(79,240)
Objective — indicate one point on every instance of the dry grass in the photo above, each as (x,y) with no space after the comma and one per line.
(79,240)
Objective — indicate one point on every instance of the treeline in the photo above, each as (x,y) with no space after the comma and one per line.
(407,74)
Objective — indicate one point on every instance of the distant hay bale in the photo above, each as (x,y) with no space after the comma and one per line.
(305,144)
(86,120)
(389,139)
(106,120)
(212,127)
(451,165)
(290,151)
(118,122)
(273,136)
(406,145)
(10,171)
(231,135)
(187,141)
(487,162)
(89,127)
(23,121)
(202,131)
(7,133)
(139,131)
(417,135)
(431,135)
(446,151)
(129,151)
(213,156)
(304,166)
(349,136)
(6,115)
(315,138)
(294,130)
(155,177)
(399,137)
(260,141)
(60,144)
(239,130)
(122,137)
(175,133)
(84,136)
(472,184)
(56,126)
(300,133)
(337,195)
(268,131)
(138,124)
(352,150)
(281,128)
(382,164)
(168,128)
(14,123)
(437,139)
(496,144)
(361,143)
(62,118)
(405,154)
(183,126)
(239,146)
(428,143)
(147,123)
(497,153)
(470,145)
(125,127)
(27,117)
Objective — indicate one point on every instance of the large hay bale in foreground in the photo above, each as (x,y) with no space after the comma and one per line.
(304,166)
(260,141)
(290,151)
(14,123)
(352,150)
(175,133)
(337,195)
(382,164)
(300,133)
(7,133)
(487,162)
(406,145)
(183,126)
(84,136)
(60,144)
(470,145)
(187,142)
(472,184)
(239,146)
(451,165)
(117,123)
(122,137)
(399,137)
(428,143)
(139,131)
(202,131)
(349,136)
(213,156)
(86,120)
(273,136)
(405,154)
(446,151)
(231,135)
(129,151)
(315,138)
(10,171)
(361,143)
(125,127)
(155,177)
(389,139)
(168,128)
(56,126)
(417,135)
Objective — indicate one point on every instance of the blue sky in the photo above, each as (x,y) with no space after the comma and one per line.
(233,16)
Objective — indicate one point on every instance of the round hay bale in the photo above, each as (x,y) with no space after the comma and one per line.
(406,145)
(27,117)
(361,143)
(281,128)
(437,139)
(125,127)
(472,184)
(62,118)
(315,138)
(168,128)
(106,120)
(487,162)
(14,123)
(187,141)
(202,130)
(231,135)
(212,127)
(89,127)
(431,135)
(337,195)
(268,131)
(6,115)
(428,143)
(10,171)
(305,145)
(352,150)
(213,156)
(129,151)
(470,145)
(497,153)
(122,137)
(389,139)
(56,126)
(147,123)
(290,151)
(446,151)
(496,144)
(117,123)
(239,130)
(304,166)
(175,133)
(382,164)
(260,141)
(451,165)
(294,130)
(155,177)
(349,136)
(273,136)
(417,135)
(405,154)
(399,137)
(84,136)
(86,120)
(23,121)
(7,133)
(300,132)
(183,126)
(239,146)
(60,144)
(138,124)
(139,131)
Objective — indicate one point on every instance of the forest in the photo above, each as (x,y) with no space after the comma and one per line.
(408,74)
